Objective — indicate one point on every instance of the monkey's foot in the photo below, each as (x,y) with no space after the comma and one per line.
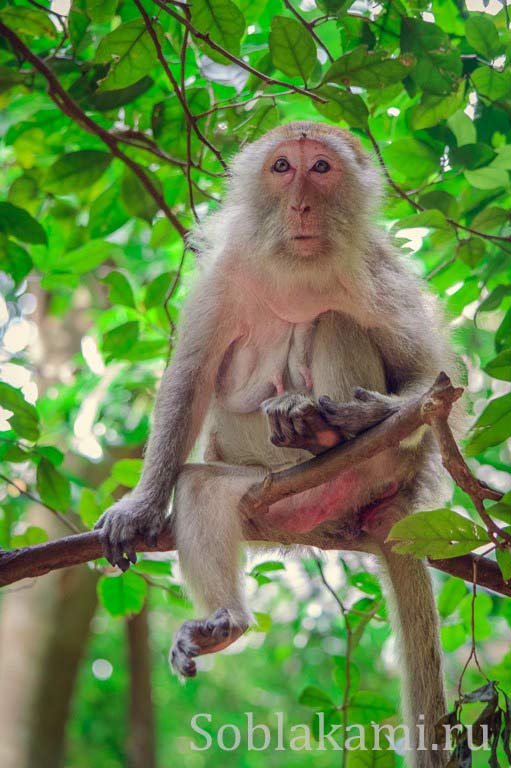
(297,421)
(130,518)
(200,636)
(363,412)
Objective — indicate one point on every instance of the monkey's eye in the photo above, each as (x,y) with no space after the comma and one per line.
(281,165)
(321,166)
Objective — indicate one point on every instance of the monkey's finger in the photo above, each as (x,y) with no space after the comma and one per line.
(327,404)
(123,563)
(129,550)
(359,393)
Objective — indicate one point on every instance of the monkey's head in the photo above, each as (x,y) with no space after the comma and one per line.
(303,190)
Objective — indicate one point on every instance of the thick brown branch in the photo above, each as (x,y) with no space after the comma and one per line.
(432,407)
(29,562)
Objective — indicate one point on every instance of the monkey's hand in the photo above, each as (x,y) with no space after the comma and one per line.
(297,421)
(131,517)
(363,412)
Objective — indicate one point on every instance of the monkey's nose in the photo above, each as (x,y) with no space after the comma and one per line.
(301,208)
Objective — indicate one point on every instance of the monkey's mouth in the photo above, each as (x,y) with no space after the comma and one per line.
(305,237)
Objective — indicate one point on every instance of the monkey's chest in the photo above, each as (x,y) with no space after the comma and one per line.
(257,367)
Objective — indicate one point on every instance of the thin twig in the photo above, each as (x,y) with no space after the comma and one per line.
(190,119)
(63,519)
(205,37)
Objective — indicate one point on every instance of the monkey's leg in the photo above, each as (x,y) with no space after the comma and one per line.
(414,616)
(208,533)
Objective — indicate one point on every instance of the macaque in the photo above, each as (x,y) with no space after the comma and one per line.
(303,330)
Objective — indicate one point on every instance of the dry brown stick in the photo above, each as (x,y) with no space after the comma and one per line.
(434,404)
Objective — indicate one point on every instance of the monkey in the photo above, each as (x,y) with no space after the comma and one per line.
(305,328)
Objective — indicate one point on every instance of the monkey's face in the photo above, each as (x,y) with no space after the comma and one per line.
(302,177)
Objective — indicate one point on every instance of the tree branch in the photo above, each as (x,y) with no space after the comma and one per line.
(69,107)
(433,407)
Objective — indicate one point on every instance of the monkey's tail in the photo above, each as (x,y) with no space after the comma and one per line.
(415,619)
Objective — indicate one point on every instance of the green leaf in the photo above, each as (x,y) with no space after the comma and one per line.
(131,53)
(343,105)
(495,299)
(127,472)
(292,48)
(492,427)
(453,592)
(157,290)
(121,338)
(87,257)
(504,561)
(500,511)
(78,22)
(438,66)
(17,222)
(153,567)
(24,421)
(369,69)
(432,219)
(121,291)
(453,636)
(495,85)
(89,509)
(491,218)
(482,35)
(53,488)
(263,622)
(100,11)
(14,260)
(487,178)
(472,156)
(28,21)
(439,533)
(122,595)
(339,675)
(106,212)
(463,128)
(168,122)
(500,366)
(366,706)
(503,335)
(136,199)
(32,535)
(223,21)
(75,171)
(104,101)
(412,158)
(269,565)
(433,109)
(471,251)
(315,698)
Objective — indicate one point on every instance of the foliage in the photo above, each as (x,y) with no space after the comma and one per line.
(102,178)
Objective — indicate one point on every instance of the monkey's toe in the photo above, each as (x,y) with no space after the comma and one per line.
(200,636)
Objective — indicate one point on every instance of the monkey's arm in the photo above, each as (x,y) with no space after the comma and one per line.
(181,405)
